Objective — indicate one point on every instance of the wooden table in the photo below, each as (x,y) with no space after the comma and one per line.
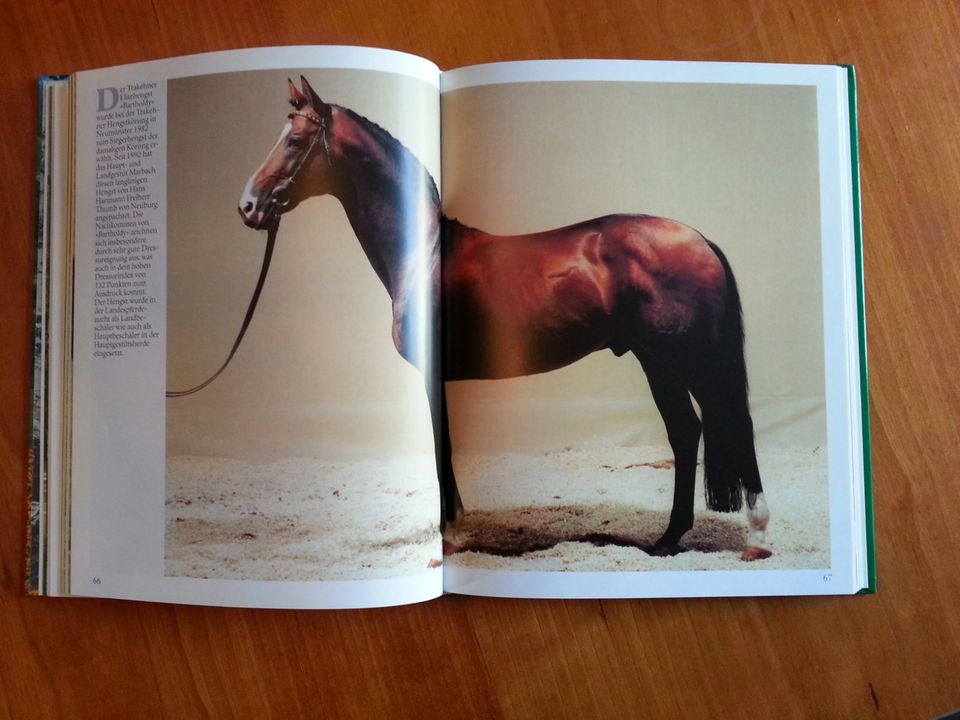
(895,654)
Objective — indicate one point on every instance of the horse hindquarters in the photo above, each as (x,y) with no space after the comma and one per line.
(708,362)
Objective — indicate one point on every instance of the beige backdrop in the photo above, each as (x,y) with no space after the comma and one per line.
(317,374)
(738,163)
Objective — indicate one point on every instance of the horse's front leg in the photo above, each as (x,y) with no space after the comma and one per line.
(683,431)
(451,507)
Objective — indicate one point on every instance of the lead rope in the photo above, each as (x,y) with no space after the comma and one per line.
(319,136)
(251,307)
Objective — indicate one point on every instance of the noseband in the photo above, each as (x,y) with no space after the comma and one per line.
(272,223)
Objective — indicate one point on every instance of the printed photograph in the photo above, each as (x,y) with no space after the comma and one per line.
(633,280)
(631,285)
(311,456)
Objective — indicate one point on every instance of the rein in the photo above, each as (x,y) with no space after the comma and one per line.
(273,219)
(251,307)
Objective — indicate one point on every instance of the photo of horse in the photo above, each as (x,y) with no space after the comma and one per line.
(526,313)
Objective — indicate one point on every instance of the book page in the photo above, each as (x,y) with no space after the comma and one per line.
(561,455)
(304,474)
(50,285)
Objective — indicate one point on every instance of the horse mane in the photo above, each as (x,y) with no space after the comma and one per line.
(400,155)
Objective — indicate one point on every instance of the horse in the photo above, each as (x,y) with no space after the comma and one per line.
(508,306)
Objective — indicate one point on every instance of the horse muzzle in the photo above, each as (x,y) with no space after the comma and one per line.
(261,217)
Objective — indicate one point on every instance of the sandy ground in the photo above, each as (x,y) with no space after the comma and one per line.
(301,519)
(593,510)
(587,510)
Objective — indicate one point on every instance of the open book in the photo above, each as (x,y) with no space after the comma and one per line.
(327,327)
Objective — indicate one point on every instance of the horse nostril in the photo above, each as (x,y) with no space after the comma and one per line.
(247,207)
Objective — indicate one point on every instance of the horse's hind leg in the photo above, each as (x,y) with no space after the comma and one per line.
(683,431)
(730,461)
(758,514)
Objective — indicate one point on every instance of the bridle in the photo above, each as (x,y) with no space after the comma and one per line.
(272,224)
(321,135)
(318,137)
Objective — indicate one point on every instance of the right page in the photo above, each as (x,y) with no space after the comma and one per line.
(614,230)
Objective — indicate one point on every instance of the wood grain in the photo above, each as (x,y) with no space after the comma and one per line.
(892,655)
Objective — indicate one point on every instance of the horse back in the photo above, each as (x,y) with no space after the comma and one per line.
(518,305)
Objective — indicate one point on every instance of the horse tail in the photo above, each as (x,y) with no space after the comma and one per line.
(729,456)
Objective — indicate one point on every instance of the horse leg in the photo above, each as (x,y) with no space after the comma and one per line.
(758,514)
(730,462)
(451,507)
(757,517)
(683,431)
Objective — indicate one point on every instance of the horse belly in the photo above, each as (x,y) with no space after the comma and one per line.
(530,325)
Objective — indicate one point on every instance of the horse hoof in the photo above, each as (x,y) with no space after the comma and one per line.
(447,523)
(451,548)
(755,553)
(665,550)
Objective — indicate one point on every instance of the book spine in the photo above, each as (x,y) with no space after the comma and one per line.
(34,477)
(862,333)
(35,466)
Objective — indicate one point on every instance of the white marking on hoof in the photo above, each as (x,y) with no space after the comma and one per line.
(758,515)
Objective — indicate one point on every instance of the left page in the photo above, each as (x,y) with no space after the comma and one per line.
(304,475)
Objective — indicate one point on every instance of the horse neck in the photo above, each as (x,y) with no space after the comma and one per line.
(389,198)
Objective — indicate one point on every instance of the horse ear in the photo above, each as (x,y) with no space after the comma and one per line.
(321,108)
(297,98)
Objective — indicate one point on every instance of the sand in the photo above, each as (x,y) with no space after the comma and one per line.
(301,519)
(572,510)
(594,510)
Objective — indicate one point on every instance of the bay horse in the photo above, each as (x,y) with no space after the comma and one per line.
(527,304)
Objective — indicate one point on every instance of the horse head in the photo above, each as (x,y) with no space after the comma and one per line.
(298,165)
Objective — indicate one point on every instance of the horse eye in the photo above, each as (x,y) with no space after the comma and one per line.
(295,141)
